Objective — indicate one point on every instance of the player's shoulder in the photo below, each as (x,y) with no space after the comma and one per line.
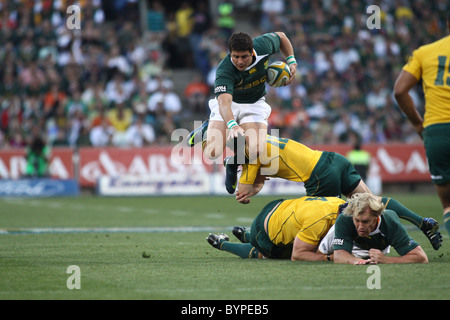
(226,67)
(390,220)
(443,43)
(344,220)
(266,43)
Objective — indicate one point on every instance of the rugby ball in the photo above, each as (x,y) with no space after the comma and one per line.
(278,74)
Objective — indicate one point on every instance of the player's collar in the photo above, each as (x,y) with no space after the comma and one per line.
(257,59)
(377,229)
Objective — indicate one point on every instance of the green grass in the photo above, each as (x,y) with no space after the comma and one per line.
(164,264)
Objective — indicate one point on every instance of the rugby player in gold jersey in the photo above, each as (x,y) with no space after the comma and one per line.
(431,64)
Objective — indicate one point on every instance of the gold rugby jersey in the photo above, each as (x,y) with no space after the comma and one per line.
(308,218)
(283,158)
(431,63)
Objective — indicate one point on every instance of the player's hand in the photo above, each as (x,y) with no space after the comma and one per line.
(243,193)
(241,197)
(364,261)
(293,70)
(235,132)
(419,130)
(377,256)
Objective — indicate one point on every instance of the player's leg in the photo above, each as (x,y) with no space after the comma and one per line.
(215,141)
(244,250)
(429,226)
(253,119)
(392,204)
(198,135)
(437,147)
(242,234)
(255,143)
(443,191)
(255,139)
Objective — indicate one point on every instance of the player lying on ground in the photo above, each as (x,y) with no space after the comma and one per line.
(325,174)
(293,229)
(284,229)
(364,232)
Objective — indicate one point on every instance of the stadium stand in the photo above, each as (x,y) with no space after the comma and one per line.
(61,79)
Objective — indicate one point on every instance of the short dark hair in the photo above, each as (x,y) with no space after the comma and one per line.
(240,41)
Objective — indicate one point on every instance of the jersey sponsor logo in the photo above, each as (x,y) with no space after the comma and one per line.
(220,89)
(252,84)
(253,70)
(338,242)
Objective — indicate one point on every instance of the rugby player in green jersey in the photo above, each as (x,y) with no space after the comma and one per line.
(324,174)
(239,108)
(366,227)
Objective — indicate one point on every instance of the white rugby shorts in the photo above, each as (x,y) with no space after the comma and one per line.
(243,112)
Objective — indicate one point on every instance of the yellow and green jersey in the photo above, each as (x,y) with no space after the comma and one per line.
(283,158)
(431,63)
(307,218)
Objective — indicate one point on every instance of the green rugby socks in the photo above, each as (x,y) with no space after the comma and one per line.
(243,250)
(447,221)
(402,211)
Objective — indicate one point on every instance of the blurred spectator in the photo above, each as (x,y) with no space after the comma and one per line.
(140,133)
(201,23)
(197,94)
(37,156)
(360,159)
(346,70)
(156,17)
(53,98)
(225,20)
(184,23)
(74,104)
(120,118)
(165,100)
(102,134)
(297,120)
(271,11)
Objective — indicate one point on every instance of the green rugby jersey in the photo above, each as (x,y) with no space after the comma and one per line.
(250,85)
(390,231)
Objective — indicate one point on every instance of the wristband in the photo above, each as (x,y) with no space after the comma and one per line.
(291,60)
(231,124)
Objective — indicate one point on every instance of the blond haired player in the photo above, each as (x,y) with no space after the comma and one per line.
(431,64)
(325,174)
(366,225)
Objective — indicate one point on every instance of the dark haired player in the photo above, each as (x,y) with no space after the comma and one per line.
(239,107)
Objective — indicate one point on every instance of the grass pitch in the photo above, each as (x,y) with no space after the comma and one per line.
(155,248)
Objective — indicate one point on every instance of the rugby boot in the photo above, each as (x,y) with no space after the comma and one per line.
(430,228)
(193,138)
(216,240)
(231,174)
(242,234)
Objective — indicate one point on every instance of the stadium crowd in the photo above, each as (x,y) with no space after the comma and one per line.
(110,83)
